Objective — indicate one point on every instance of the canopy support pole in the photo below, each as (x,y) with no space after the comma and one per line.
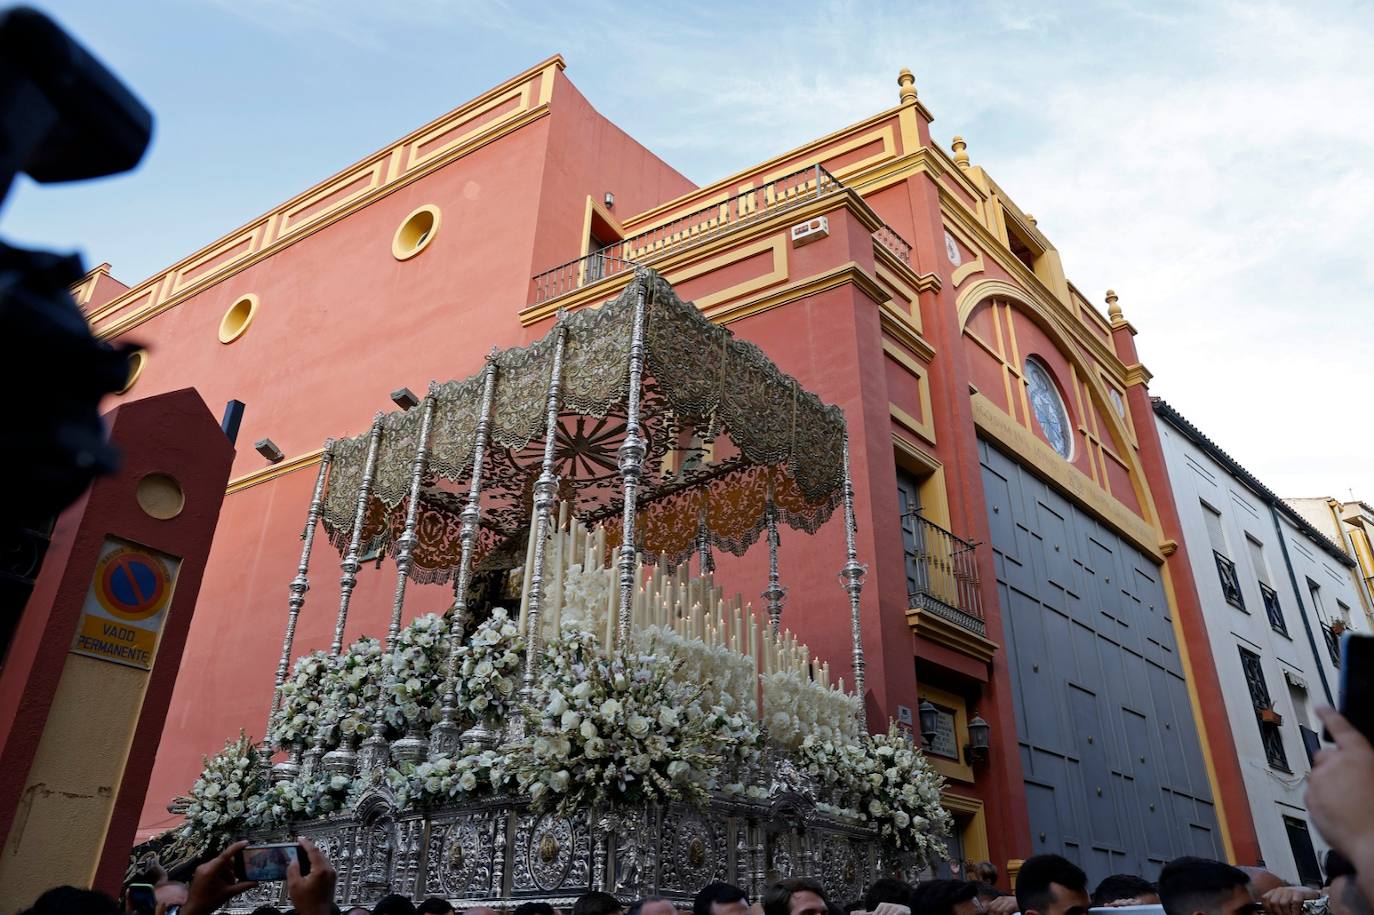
(545,496)
(443,738)
(412,746)
(632,451)
(299,585)
(852,579)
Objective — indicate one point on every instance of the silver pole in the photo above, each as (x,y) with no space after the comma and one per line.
(410,747)
(705,564)
(443,738)
(350,562)
(632,452)
(545,495)
(342,759)
(290,768)
(301,583)
(775,593)
(852,579)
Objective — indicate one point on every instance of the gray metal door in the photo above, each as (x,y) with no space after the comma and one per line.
(1114,773)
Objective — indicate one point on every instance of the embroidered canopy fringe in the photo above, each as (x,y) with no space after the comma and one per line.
(724,428)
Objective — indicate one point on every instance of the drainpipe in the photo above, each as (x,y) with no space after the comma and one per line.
(1302,608)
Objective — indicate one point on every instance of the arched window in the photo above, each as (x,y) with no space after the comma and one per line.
(1048,407)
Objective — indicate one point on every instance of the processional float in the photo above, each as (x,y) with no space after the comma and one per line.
(582,476)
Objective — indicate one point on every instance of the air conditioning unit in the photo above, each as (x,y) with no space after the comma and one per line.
(805,233)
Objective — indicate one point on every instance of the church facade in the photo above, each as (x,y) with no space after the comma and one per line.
(1029,606)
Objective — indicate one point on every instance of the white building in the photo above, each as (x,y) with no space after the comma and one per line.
(1276,593)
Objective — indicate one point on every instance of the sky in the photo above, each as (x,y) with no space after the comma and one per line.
(1211,162)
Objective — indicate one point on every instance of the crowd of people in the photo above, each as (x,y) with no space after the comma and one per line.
(1340,799)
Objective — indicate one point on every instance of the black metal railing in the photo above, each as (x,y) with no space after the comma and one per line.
(942,575)
(698,226)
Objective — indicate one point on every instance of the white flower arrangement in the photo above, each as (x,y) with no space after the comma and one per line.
(585,595)
(613,731)
(488,666)
(449,779)
(726,677)
(300,799)
(353,687)
(413,672)
(795,707)
(302,697)
(903,797)
(219,804)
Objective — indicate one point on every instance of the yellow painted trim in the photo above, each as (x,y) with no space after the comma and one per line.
(924,428)
(1031,288)
(941,631)
(607,288)
(174,285)
(137,360)
(399,249)
(883,134)
(850,274)
(1136,373)
(777,245)
(413,157)
(957,769)
(249,480)
(975,835)
(966,269)
(897,325)
(229,331)
(726,187)
(911,135)
(1045,461)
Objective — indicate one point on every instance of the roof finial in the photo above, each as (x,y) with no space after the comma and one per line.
(908,83)
(1030,219)
(960,152)
(1113,309)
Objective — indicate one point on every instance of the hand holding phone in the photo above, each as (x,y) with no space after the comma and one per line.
(270,861)
(140,898)
(1357,683)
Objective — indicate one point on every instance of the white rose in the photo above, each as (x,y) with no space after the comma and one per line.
(588,729)
(638,726)
(901,819)
(582,690)
(467,781)
(667,717)
(557,705)
(559,780)
(594,748)
(609,709)
(677,768)
(570,720)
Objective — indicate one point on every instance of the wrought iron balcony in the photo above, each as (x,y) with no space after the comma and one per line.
(942,573)
(682,232)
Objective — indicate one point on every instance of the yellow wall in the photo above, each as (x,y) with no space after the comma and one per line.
(64,813)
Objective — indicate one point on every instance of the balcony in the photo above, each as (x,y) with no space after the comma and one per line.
(683,232)
(942,574)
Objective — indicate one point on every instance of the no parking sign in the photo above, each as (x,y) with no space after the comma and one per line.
(126,604)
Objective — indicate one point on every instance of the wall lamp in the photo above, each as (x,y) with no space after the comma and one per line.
(609,200)
(404,398)
(930,722)
(268,449)
(979,744)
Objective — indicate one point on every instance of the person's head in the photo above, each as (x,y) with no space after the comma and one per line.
(944,897)
(1200,886)
(986,892)
(652,905)
(170,892)
(887,889)
(1342,893)
(1261,881)
(1052,885)
(395,904)
(983,872)
(795,896)
(435,906)
(597,903)
(533,908)
(480,910)
(68,900)
(719,899)
(358,910)
(267,910)
(1125,889)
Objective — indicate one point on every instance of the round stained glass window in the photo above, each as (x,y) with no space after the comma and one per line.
(1048,407)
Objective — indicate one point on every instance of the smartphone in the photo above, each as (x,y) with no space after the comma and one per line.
(269,862)
(1357,682)
(140,898)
